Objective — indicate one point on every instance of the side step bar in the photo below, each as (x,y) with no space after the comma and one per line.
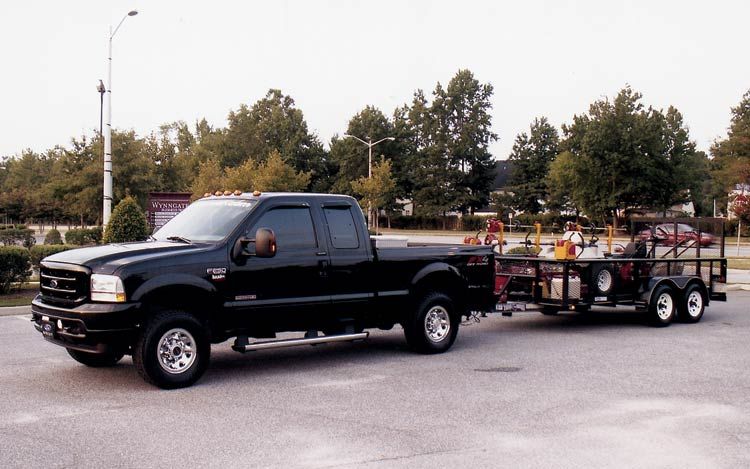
(271,344)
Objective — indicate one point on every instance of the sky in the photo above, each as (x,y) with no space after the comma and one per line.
(186,60)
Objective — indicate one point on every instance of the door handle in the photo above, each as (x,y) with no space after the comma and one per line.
(323,268)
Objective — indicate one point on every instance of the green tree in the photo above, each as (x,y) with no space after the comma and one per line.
(531,157)
(731,155)
(210,179)
(128,223)
(464,112)
(626,155)
(273,123)
(378,191)
(275,175)
(350,157)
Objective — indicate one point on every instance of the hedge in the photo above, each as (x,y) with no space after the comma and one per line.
(11,235)
(39,252)
(15,266)
(84,236)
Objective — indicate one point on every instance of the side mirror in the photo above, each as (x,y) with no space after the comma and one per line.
(264,241)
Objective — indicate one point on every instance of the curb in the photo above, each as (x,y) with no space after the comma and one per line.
(15,310)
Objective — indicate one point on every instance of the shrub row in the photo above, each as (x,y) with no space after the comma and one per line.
(13,236)
(15,266)
(39,252)
(84,236)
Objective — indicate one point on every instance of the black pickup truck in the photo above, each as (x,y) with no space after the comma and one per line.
(248,266)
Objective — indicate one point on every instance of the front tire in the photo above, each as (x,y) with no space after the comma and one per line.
(96,360)
(433,326)
(173,351)
(662,308)
(692,304)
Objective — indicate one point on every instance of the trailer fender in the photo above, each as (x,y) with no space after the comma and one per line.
(677,282)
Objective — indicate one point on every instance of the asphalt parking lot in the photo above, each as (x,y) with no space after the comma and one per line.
(527,391)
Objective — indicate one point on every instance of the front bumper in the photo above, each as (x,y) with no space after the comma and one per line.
(89,327)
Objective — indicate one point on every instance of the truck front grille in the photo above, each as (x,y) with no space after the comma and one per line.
(63,286)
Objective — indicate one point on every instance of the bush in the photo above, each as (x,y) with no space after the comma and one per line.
(11,235)
(40,252)
(53,237)
(84,236)
(523,251)
(730,228)
(422,222)
(15,265)
(128,223)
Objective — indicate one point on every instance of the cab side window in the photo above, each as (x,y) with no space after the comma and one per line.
(341,226)
(293,227)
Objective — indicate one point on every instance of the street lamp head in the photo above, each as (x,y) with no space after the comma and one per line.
(132,12)
(391,138)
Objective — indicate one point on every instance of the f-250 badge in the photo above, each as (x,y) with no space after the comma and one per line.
(217,273)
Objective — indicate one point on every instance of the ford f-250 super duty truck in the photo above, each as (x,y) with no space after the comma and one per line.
(249,266)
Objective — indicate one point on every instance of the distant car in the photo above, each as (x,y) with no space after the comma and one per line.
(664,234)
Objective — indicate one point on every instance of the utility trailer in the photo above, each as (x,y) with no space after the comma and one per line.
(666,278)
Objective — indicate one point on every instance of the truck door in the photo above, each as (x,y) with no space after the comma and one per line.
(290,286)
(349,273)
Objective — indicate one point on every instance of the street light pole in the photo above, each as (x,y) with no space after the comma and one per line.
(369,144)
(107,199)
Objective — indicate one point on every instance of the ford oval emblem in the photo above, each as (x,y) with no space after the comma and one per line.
(53,284)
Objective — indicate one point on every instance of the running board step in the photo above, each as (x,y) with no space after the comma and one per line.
(282,343)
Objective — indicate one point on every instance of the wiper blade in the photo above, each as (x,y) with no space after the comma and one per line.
(180,239)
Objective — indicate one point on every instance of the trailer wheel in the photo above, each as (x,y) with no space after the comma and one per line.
(173,350)
(550,311)
(692,304)
(663,307)
(602,279)
(432,327)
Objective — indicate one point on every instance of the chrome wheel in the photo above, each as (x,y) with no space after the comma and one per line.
(176,351)
(664,306)
(604,280)
(694,304)
(437,324)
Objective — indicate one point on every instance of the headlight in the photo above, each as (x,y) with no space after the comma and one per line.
(107,288)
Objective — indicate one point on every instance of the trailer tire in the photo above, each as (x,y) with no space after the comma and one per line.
(432,326)
(692,304)
(96,360)
(662,307)
(602,279)
(550,311)
(173,350)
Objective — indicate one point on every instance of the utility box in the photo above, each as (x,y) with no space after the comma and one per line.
(565,250)
(574,288)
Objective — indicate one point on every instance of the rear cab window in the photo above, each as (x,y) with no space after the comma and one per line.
(341,227)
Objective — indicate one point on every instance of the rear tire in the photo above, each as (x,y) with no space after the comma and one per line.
(432,327)
(692,304)
(549,311)
(96,360)
(173,351)
(662,308)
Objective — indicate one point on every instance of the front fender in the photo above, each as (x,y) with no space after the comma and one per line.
(173,280)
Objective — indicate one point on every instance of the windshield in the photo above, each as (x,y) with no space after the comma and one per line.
(206,220)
